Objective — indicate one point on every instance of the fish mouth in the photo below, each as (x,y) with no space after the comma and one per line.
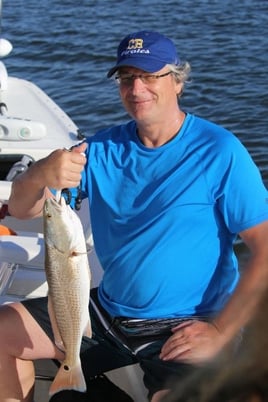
(57,204)
(53,204)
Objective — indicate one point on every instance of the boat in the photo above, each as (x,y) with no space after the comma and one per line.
(32,125)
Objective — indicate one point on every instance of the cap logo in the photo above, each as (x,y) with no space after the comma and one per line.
(134,46)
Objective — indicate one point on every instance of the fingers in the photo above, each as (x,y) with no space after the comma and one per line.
(80,148)
(71,165)
(192,342)
(63,168)
(183,325)
(175,346)
(174,349)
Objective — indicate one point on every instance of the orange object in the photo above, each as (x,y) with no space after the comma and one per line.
(4,230)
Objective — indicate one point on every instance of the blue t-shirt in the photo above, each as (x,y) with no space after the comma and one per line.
(164,219)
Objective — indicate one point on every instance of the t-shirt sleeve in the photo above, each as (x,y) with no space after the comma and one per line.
(241,194)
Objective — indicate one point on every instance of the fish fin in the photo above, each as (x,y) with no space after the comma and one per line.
(88,330)
(67,377)
(57,337)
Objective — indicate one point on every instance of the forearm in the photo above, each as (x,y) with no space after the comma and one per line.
(28,193)
(243,304)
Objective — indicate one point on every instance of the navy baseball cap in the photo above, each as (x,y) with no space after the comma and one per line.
(146,50)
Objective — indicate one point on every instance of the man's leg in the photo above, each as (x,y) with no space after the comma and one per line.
(159,374)
(22,340)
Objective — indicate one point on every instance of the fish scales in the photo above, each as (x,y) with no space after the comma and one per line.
(68,277)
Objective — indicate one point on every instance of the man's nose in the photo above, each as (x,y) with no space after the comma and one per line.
(137,84)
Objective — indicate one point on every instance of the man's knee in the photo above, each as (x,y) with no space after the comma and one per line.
(22,337)
(157,397)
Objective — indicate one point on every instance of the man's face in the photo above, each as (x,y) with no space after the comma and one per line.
(148,101)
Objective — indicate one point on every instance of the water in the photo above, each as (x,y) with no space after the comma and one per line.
(66,47)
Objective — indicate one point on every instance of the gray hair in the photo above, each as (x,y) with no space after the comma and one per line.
(181,73)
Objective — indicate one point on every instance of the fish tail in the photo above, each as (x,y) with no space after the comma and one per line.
(67,377)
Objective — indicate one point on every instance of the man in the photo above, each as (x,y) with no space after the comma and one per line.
(168,194)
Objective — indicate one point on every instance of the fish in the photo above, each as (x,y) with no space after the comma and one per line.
(68,277)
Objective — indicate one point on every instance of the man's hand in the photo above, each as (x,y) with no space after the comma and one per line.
(192,342)
(62,168)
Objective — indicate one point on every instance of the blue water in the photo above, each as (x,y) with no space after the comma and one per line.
(66,47)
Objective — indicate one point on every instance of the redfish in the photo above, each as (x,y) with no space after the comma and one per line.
(68,276)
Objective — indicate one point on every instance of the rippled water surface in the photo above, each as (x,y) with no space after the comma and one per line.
(66,48)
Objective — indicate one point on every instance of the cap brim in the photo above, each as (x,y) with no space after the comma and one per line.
(150,66)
